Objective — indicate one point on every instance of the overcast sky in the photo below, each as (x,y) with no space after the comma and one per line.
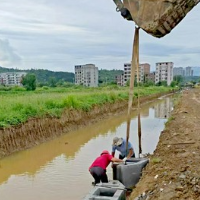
(59,34)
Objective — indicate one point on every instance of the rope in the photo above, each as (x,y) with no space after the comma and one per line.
(134,64)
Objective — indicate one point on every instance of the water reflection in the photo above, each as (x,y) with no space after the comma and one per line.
(163,110)
(139,134)
(58,169)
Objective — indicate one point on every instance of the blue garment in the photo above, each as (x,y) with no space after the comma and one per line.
(122,148)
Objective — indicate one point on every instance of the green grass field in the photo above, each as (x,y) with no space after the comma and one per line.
(18,106)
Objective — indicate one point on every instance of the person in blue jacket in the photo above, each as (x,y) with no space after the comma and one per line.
(119,144)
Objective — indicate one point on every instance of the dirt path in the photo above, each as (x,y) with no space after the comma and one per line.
(174,169)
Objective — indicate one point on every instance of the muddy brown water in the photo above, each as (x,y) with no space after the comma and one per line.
(58,169)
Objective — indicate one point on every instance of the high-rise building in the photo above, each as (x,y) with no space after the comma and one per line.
(127,73)
(120,80)
(164,72)
(144,71)
(11,78)
(178,71)
(86,75)
(188,71)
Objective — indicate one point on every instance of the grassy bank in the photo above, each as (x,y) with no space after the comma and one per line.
(17,107)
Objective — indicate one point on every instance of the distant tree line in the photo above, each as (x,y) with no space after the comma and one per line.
(53,79)
(40,78)
(44,76)
(109,76)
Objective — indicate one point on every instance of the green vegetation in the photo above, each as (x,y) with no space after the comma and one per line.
(29,82)
(44,77)
(169,120)
(17,106)
(185,81)
(56,79)
(108,76)
(162,83)
(156,160)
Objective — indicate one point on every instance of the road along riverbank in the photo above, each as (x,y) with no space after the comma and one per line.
(173,171)
(39,130)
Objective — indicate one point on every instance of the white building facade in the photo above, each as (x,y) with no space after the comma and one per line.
(86,75)
(127,73)
(12,78)
(164,72)
(144,71)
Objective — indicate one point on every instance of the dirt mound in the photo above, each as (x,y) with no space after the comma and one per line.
(174,172)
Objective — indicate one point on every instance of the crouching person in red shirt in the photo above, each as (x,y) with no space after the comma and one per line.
(98,167)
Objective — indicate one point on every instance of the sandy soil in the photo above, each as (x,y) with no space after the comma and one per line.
(174,168)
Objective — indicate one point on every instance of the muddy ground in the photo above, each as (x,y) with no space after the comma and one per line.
(174,168)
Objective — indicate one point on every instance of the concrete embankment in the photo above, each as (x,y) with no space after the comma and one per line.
(39,130)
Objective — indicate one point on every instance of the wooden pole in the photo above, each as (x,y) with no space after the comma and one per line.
(139,119)
(132,80)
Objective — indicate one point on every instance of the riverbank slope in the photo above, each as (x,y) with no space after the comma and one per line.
(173,171)
(39,130)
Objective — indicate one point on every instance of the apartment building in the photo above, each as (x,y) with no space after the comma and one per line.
(164,72)
(178,71)
(120,80)
(127,73)
(86,75)
(151,77)
(144,71)
(11,78)
(188,71)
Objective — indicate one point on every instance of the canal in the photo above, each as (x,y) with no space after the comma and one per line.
(58,169)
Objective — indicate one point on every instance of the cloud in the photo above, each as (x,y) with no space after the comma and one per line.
(8,57)
(153,49)
(49,34)
(58,35)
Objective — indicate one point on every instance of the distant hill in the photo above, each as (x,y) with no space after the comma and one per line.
(44,76)
(108,76)
(2,70)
